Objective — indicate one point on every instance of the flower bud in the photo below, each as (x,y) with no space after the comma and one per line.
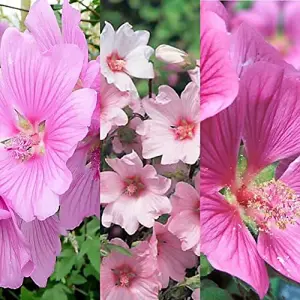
(175,57)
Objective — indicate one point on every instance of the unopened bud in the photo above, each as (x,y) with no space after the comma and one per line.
(174,56)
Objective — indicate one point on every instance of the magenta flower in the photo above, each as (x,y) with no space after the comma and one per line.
(16,261)
(42,24)
(266,117)
(278,23)
(43,238)
(173,129)
(112,101)
(134,193)
(219,81)
(82,199)
(42,122)
(185,206)
(129,277)
(172,261)
(125,54)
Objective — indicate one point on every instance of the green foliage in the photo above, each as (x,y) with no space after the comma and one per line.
(172,22)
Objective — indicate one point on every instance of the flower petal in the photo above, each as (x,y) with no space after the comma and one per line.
(228,244)
(43,236)
(42,24)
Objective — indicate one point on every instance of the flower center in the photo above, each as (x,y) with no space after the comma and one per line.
(133,186)
(123,276)
(272,202)
(115,62)
(22,146)
(184,130)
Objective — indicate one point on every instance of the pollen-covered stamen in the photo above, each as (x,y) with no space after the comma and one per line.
(21,146)
(115,62)
(133,186)
(184,130)
(124,276)
(274,203)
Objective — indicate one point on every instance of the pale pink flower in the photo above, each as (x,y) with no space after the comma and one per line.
(219,81)
(125,54)
(186,206)
(127,140)
(82,199)
(42,122)
(43,238)
(129,277)
(134,193)
(265,116)
(112,101)
(42,24)
(196,294)
(173,129)
(172,261)
(16,261)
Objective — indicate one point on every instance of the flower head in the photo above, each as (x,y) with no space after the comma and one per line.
(43,120)
(134,193)
(265,117)
(173,129)
(133,277)
(172,261)
(125,54)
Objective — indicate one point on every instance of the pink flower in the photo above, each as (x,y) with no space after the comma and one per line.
(16,261)
(42,24)
(173,130)
(112,102)
(219,81)
(125,54)
(266,117)
(3,26)
(266,17)
(82,199)
(129,277)
(43,238)
(127,140)
(195,74)
(172,262)
(134,193)
(196,294)
(42,122)
(185,206)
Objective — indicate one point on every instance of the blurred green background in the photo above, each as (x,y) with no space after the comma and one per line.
(172,22)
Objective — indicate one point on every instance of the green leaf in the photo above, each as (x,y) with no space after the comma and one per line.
(64,266)
(119,249)
(205,266)
(77,279)
(90,271)
(215,293)
(27,295)
(59,291)
(191,282)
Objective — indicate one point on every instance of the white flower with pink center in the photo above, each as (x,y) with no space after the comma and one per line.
(173,130)
(125,54)
(134,193)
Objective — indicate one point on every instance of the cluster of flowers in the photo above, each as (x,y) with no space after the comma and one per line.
(150,151)
(49,133)
(250,145)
